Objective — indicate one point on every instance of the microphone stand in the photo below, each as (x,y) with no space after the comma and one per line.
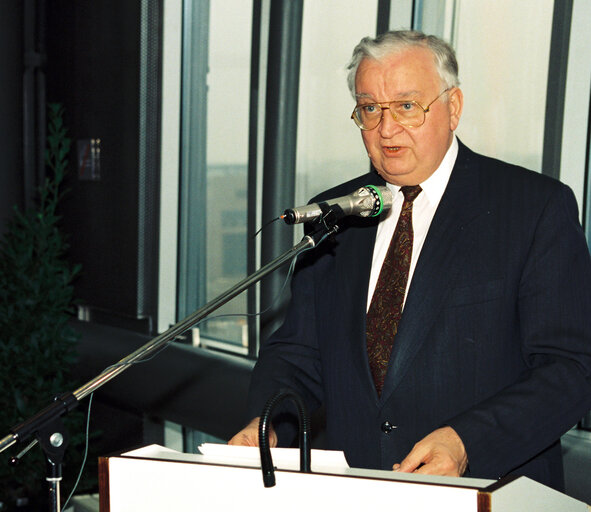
(47,425)
(304,434)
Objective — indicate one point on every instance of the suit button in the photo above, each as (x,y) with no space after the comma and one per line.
(387,427)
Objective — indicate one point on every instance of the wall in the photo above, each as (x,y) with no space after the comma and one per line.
(11,190)
(94,70)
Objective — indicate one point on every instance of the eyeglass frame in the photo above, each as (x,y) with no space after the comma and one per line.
(387,107)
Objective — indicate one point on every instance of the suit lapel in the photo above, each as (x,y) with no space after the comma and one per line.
(441,259)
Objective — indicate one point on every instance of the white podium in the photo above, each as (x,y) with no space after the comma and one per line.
(158,479)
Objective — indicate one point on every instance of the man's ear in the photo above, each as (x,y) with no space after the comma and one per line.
(455,105)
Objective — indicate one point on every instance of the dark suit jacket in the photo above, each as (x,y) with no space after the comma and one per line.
(495,337)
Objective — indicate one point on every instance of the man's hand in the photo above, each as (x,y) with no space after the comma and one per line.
(249,435)
(442,452)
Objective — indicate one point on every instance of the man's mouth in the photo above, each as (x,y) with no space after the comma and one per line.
(393,149)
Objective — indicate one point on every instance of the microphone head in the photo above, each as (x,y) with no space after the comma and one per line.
(378,200)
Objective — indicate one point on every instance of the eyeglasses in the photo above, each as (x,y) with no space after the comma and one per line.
(407,113)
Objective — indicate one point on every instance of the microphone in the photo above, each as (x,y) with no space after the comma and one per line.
(368,201)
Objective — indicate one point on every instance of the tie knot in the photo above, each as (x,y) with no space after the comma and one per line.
(411,192)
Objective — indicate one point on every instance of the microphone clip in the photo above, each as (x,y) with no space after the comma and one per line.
(325,226)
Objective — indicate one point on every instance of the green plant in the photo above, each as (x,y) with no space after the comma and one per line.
(37,345)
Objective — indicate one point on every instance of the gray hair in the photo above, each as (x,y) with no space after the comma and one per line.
(392,42)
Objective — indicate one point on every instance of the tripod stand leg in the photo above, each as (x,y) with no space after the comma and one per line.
(54,486)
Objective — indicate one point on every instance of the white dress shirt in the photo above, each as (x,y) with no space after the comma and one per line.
(423,210)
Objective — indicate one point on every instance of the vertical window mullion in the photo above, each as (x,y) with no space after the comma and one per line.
(283,70)
(253,148)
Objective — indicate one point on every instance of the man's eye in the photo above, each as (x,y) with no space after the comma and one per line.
(407,106)
(370,109)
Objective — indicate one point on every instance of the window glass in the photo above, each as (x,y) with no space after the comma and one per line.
(227,161)
(575,154)
(503,71)
(217,162)
(504,76)
(329,147)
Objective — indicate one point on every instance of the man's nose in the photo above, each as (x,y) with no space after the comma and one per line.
(389,126)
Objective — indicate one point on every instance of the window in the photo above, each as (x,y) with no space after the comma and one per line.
(214,175)
(213,244)
(504,89)
(329,149)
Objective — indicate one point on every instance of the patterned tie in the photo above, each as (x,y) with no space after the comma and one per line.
(385,308)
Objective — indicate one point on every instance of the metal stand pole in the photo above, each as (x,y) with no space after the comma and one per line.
(47,425)
(152,346)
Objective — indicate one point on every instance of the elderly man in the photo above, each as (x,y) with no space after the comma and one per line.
(452,335)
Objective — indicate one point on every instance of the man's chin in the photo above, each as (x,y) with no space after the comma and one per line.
(397,177)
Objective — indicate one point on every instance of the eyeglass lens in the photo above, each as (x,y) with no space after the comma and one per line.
(408,113)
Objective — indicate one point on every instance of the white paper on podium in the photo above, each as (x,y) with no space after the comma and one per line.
(283,458)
